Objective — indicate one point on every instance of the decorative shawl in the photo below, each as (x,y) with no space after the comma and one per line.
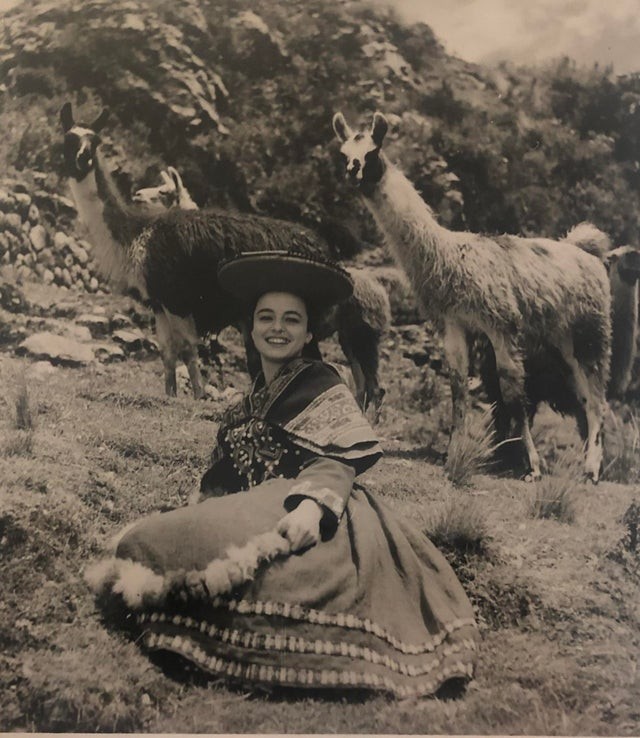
(309,402)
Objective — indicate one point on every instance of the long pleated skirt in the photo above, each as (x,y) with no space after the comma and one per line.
(375,607)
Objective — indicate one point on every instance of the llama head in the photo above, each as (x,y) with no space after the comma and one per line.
(361,151)
(80,142)
(170,193)
(626,261)
(161,197)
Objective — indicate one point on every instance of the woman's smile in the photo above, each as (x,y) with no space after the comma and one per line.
(280,328)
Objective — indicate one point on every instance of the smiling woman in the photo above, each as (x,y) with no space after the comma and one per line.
(287,573)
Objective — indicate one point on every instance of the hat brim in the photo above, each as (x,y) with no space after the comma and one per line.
(250,275)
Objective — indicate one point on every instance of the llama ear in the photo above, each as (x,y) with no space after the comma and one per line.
(66,117)
(379,129)
(176,179)
(166,178)
(99,123)
(340,127)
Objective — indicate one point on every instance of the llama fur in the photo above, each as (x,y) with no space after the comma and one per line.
(360,321)
(519,292)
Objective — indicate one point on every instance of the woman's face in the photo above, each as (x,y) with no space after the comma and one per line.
(280,326)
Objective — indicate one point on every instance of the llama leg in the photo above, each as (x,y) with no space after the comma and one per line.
(589,388)
(186,336)
(511,375)
(168,352)
(456,352)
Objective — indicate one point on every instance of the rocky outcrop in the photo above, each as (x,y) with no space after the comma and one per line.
(32,247)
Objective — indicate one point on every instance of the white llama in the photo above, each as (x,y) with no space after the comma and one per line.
(171,193)
(519,292)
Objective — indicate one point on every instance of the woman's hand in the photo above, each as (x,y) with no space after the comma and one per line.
(302,525)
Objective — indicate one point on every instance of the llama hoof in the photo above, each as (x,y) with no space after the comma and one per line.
(593,478)
(532,476)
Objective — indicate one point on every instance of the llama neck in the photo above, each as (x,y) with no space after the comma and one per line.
(112,226)
(423,248)
(624,329)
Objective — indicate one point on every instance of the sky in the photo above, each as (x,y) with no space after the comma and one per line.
(526,31)
(532,31)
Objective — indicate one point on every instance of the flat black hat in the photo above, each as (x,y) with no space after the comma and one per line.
(319,282)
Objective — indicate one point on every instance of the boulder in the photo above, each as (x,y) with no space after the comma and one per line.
(11,223)
(131,340)
(98,325)
(120,321)
(12,299)
(38,238)
(79,253)
(56,349)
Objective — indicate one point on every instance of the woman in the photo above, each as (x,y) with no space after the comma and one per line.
(344,594)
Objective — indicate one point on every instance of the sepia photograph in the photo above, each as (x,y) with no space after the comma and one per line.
(320,407)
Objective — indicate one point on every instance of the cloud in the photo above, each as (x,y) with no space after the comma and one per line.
(489,30)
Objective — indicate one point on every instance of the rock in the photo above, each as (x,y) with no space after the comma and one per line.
(7,203)
(108,352)
(98,325)
(252,42)
(4,243)
(56,349)
(23,272)
(23,201)
(119,321)
(47,276)
(131,340)
(38,237)
(68,261)
(11,222)
(47,258)
(93,285)
(79,253)
(60,241)
(12,299)
(34,214)
(40,371)
(66,278)
(78,332)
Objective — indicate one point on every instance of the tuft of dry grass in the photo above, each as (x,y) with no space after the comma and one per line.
(460,527)
(622,449)
(471,449)
(554,494)
(24,415)
(20,444)
(21,441)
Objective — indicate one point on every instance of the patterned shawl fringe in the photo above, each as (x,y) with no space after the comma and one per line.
(140,587)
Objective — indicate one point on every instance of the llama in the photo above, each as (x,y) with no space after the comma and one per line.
(547,377)
(518,292)
(360,321)
(170,193)
(623,265)
(170,258)
(624,273)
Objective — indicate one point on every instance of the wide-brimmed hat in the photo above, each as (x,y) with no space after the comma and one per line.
(319,282)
